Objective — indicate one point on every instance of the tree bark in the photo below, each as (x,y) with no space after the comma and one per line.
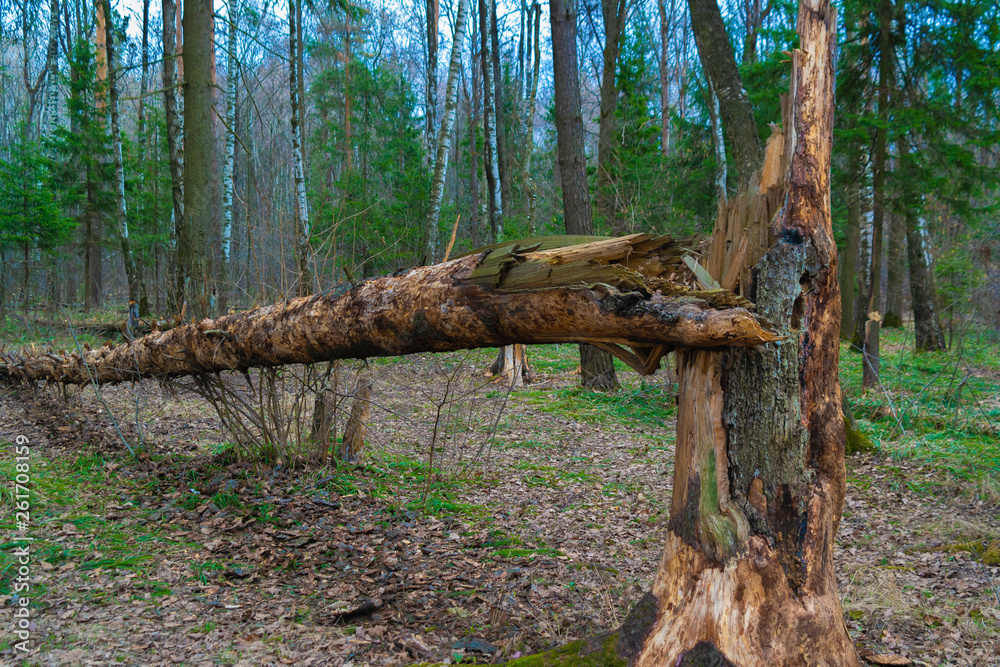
(894,293)
(597,369)
(50,121)
(200,180)
(747,574)
(719,64)
(229,156)
(303,252)
(614,12)
(443,144)
(433,12)
(135,285)
(929,336)
(173,115)
(849,270)
(613,292)
(502,158)
(474,219)
(569,119)
(759,486)
(532,190)
(493,198)
(872,316)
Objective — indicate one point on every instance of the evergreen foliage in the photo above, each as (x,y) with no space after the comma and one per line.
(369,177)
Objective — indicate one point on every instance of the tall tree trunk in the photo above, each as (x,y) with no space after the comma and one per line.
(476,205)
(50,121)
(519,89)
(228,163)
(93,275)
(596,366)
(505,205)
(894,293)
(142,141)
(489,142)
(719,64)
(174,117)
(929,335)
(849,269)
(135,286)
(754,20)
(614,12)
(536,10)
(665,25)
(528,51)
(718,144)
(864,278)
(143,78)
(870,346)
(200,180)
(433,15)
(303,250)
(443,144)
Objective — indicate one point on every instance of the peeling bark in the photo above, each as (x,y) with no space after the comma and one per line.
(617,291)
(747,572)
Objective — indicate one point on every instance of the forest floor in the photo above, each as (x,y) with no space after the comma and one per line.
(540,519)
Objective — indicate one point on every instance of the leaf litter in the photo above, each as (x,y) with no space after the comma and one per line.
(534,533)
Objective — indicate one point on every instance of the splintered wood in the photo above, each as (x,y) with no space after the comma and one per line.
(745,226)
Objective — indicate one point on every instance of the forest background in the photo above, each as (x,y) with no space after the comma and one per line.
(244,153)
(376,146)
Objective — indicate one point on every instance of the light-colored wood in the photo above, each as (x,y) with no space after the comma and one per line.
(356,428)
(769,596)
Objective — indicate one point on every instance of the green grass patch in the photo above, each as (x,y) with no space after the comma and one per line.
(527,552)
(647,405)
(936,409)
(67,521)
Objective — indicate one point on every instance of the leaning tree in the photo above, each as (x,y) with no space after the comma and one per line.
(747,574)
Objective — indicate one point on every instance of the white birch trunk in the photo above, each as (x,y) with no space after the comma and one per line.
(489,122)
(664,78)
(227,168)
(50,113)
(121,211)
(718,144)
(298,161)
(444,133)
(536,11)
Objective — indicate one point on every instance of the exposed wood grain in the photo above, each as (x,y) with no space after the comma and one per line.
(432,309)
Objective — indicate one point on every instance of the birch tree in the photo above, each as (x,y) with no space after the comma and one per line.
(136,290)
(174,117)
(493,199)
(228,177)
(301,209)
(443,143)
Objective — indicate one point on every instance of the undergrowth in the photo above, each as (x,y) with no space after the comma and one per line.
(935,409)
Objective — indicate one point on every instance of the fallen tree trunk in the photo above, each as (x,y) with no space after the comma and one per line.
(627,291)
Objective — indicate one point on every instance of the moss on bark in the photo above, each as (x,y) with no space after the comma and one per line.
(597,652)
